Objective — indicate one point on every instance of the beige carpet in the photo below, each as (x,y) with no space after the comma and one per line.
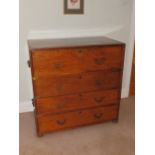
(104,139)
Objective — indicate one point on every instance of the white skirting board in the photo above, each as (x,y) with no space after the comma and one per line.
(25,106)
(28,107)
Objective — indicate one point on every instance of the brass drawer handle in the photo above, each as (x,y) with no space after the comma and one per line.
(98,82)
(60,88)
(61,106)
(98,115)
(61,122)
(58,65)
(98,99)
(100,61)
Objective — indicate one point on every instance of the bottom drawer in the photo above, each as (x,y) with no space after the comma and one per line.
(49,123)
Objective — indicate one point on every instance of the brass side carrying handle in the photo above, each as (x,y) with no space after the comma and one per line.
(33,101)
(28,63)
(98,115)
(98,99)
(61,122)
(99,61)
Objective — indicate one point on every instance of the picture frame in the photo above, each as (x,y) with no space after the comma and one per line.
(73,6)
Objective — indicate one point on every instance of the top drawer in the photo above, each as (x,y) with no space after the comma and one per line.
(61,61)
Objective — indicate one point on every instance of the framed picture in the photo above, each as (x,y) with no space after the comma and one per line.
(73,6)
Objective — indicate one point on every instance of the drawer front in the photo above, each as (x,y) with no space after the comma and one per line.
(79,101)
(76,60)
(50,123)
(49,86)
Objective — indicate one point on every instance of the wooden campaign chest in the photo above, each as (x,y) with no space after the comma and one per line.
(76,82)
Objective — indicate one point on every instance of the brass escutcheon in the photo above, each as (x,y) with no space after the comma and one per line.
(58,65)
(98,99)
(98,115)
(100,61)
(61,122)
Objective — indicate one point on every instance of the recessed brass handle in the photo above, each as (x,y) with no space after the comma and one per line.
(61,122)
(60,88)
(61,106)
(98,99)
(98,115)
(98,82)
(58,65)
(99,61)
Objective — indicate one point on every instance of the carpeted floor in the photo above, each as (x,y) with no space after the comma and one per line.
(104,139)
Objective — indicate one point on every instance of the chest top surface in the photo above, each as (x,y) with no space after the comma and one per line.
(71,42)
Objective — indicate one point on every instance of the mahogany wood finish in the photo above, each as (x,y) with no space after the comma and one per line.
(76,60)
(76,86)
(48,123)
(61,104)
(72,84)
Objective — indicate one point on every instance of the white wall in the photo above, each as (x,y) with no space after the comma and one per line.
(45,18)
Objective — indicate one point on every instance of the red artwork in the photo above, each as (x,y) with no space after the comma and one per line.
(74,1)
(73,6)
